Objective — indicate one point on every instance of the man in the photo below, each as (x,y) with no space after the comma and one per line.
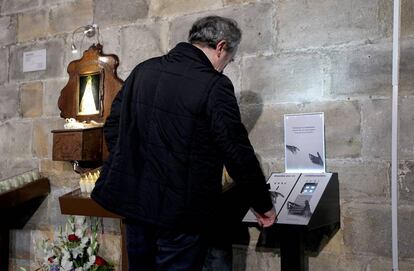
(172,127)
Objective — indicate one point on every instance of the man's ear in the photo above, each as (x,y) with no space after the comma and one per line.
(221,45)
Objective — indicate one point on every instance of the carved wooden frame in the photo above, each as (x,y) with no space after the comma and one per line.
(92,62)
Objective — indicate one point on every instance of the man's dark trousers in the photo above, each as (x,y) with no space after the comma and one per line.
(152,248)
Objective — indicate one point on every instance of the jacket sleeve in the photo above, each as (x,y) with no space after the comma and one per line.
(232,139)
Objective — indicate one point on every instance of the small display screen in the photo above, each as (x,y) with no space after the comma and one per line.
(309,188)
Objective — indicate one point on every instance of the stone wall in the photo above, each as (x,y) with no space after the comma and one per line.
(296,56)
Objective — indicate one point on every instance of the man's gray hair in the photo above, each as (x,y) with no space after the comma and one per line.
(211,30)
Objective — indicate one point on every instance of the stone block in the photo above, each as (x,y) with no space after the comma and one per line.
(255,20)
(233,72)
(31,99)
(112,12)
(335,262)
(60,174)
(265,126)
(406,128)
(362,181)
(42,136)
(9,101)
(385,264)
(18,6)
(406,182)
(237,2)
(166,8)
(4,69)
(362,71)
(405,231)
(111,226)
(55,216)
(15,166)
(376,134)
(367,229)
(342,127)
(8,30)
(248,259)
(284,78)
(406,81)
(407,22)
(52,89)
(303,24)
(16,139)
(54,60)
(32,25)
(110,41)
(69,16)
(20,243)
(138,43)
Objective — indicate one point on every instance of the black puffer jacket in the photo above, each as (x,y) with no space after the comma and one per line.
(178,123)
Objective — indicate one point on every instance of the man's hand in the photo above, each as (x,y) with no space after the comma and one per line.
(267,219)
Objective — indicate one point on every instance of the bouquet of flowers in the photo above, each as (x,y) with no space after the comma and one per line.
(74,249)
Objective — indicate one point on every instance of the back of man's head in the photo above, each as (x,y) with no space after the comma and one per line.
(210,30)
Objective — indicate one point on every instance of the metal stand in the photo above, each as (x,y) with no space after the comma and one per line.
(4,249)
(292,249)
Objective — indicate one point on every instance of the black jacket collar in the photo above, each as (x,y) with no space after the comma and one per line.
(192,52)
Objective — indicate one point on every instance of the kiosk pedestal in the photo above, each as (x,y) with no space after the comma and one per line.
(308,216)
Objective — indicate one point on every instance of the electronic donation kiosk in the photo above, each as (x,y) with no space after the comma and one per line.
(305,197)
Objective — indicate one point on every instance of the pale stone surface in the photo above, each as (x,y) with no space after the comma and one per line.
(4,59)
(113,12)
(55,216)
(255,20)
(69,16)
(31,99)
(407,22)
(385,264)
(362,71)
(42,136)
(376,134)
(232,71)
(54,60)
(165,8)
(16,139)
(16,6)
(406,128)
(9,101)
(292,77)
(52,89)
(362,181)
(342,122)
(8,30)
(110,41)
(16,166)
(60,173)
(366,229)
(32,25)
(247,259)
(235,2)
(304,24)
(20,243)
(138,43)
(324,262)
(406,182)
(406,81)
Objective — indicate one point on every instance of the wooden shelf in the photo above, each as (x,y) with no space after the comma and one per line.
(77,203)
(25,193)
